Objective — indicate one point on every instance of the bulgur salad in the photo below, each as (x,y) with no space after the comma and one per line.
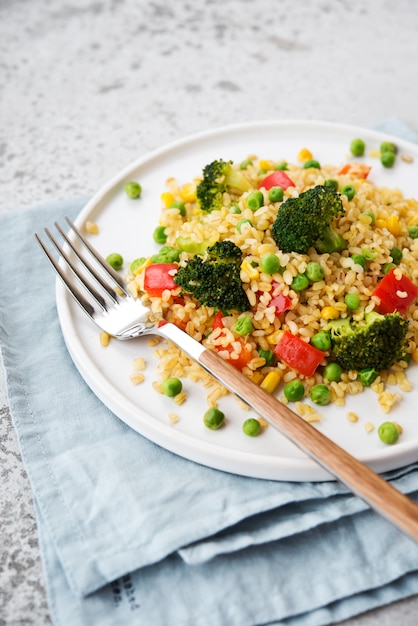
(303,275)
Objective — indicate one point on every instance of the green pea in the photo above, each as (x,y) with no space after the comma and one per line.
(387,267)
(275,194)
(388,146)
(413,232)
(314,272)
(269,263)
(281,166)
(133,190)
(178,204)
(213,418)
(349,191)
(255,200)
(251,427)
(171,387)
(160,235)
(300,282)
(332,372)
(137,263)
(372,217)
(320,394)
(294,391)
(235,210)
(241,223)
(245,164)
(357,147)
(367,376)
(396,255)
(352,301)
(332,183)
(322,340)
(115,260)
(268,355)
(243,325)
(387,159)
(388,432)
(311,163)
(359,259)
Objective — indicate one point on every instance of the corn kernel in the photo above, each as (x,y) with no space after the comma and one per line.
(381,223)
(188,192)
(271,381)
(104,339)
(252,272)
(141,268)
(167,199)
(330,313)
(91,228)
(266,164)
(393,225)
(304,155)
(274,337)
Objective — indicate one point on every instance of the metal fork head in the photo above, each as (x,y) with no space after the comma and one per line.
(96,287)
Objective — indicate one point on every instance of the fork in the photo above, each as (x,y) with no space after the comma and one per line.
(102,294)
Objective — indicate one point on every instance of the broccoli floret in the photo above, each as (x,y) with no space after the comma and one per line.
(219,177)
(305,221)
(378,342)
(214,280)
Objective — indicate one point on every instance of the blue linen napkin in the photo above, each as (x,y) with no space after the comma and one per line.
(133,534)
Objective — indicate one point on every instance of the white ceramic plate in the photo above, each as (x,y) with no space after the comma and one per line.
(126,226)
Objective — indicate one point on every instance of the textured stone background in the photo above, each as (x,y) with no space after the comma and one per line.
(88,86)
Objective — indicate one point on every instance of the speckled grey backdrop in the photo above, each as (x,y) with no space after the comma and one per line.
(88,86)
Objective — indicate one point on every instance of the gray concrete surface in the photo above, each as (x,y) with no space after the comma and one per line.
(87,86)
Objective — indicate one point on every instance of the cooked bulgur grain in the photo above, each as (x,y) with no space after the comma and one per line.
(91,228)
(352,417)
(310,309)
(137,378)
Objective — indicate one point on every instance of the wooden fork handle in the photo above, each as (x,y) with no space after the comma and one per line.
(360,479)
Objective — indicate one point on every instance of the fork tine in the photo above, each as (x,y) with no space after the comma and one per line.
(93,292)
(88,266)
(107,268)
(78,297)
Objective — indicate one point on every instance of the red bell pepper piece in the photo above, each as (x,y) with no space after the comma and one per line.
(244,356)
(299,355)
(217,321)
(357,170)
(281,303)
(395,292)
(158,277)
(278,178)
